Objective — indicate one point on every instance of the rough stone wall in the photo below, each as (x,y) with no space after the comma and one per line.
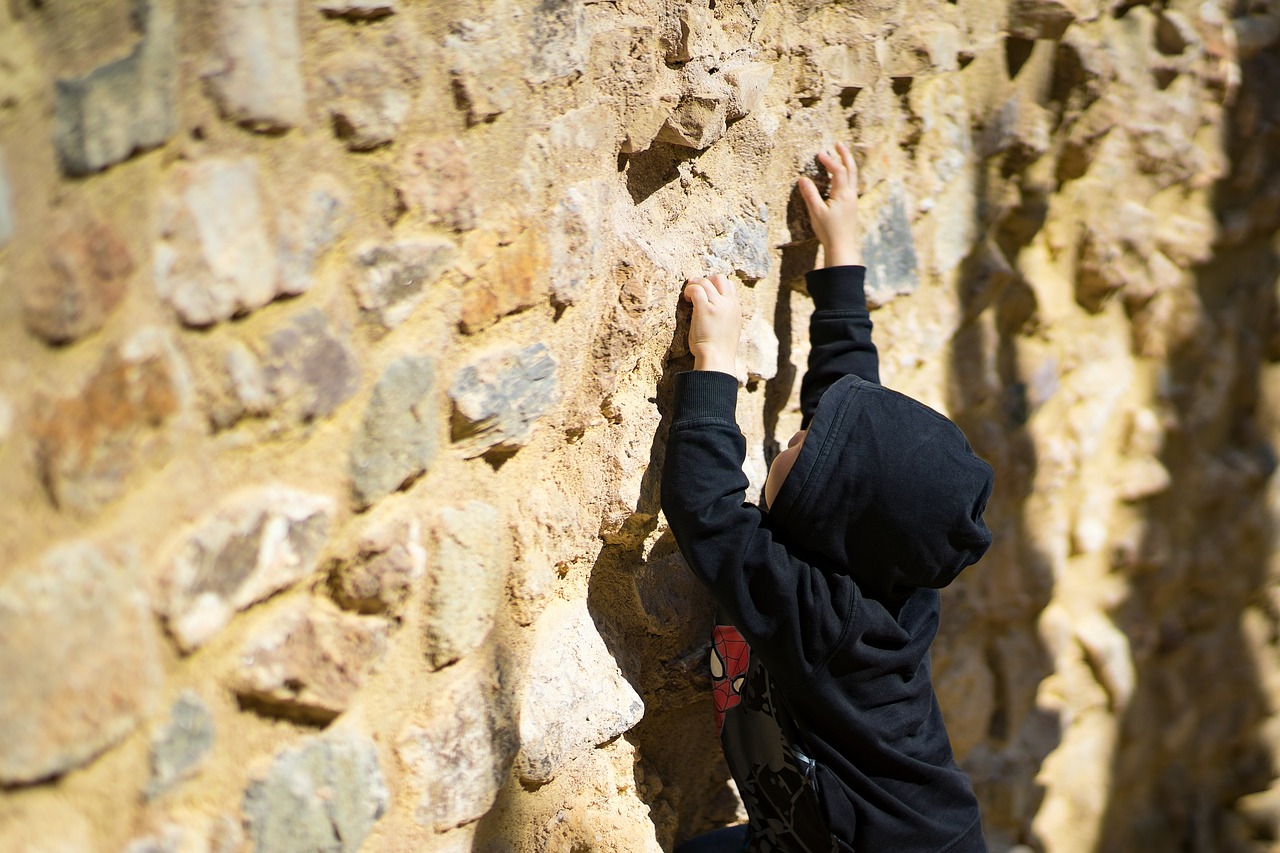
(336,349)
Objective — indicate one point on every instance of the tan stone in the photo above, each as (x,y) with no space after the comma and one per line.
(308,660)
(88,267)
(80,659)
(464,581)
(516,279)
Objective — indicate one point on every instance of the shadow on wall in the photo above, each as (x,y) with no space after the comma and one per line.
(656,618)
(989,657)
(1192,739)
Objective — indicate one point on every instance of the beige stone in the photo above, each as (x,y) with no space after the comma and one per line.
(80,658)
(464,581)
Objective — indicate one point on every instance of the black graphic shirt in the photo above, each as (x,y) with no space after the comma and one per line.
(774,775)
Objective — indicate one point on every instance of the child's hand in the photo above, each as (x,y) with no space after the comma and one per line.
(716,325)
(835,220)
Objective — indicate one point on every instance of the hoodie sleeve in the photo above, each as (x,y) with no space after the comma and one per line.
(792,615)
(839,334)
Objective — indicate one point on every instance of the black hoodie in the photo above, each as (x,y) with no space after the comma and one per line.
(834,591)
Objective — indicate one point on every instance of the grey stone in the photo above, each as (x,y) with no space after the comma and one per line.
(6,206)
(255,544)
(889,251)
(308,660)
(575,697)
(322,796)
(559,40)
(307,232)
(256,75)
(308,368)
(125,106)
(744,247)
(179,748)
(368,100)
(391,280)
(499,398)
(397,440)
(360,9)
(80,662)
(214,259)
(459,756)
(464,585)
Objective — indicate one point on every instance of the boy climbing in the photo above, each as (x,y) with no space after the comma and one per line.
(827,598)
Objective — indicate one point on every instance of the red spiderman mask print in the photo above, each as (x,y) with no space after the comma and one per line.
(730,656)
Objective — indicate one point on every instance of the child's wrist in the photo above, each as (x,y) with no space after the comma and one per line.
(838,255)
(718,362)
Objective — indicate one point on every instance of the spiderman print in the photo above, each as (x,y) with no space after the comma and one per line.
(730,656)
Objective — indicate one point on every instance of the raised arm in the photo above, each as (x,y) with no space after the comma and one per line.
(792,614)
(839,334)
(840,326)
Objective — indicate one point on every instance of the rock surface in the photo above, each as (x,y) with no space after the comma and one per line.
(576,697)
(397,440)
(459,755)
(325,794)
(255,544)
(255,67)
(308,660)
(498,399)
(82,619)
(124,106)
(465,580)
(179,748)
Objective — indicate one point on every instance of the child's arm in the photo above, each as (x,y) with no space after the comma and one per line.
(840,326)
(792,614)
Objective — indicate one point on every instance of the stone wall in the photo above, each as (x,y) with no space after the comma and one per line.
(336,349)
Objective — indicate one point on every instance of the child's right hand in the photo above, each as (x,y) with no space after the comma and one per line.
(835,220)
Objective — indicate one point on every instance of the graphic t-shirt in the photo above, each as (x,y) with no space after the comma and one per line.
(774,775)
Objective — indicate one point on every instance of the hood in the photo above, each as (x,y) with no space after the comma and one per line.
(887,487)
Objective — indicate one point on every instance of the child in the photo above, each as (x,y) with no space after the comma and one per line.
(828,601)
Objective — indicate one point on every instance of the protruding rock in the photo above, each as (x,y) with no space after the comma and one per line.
(458,756)
(180,747)
(558,40)
(256,73)
(389,562)
(744,247)
(87,268)
(79,658)
(498,399)
(514,280)
(214,259)
(357,9)
(392,280)
(464,585)
(485,60)
(325,794)
(576,239)
(397,440)
(125,106)
(575,697)
(697,122)
(308,368)
(309,660)
(89,443)
(308,230)
(255,544)
(1041,19)
(368,100)
(889,250)
(437,182)
(746,82)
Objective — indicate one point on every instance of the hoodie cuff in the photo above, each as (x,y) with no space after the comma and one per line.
(705,394)
(837,287)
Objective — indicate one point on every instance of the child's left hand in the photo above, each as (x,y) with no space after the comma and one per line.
(717,323)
